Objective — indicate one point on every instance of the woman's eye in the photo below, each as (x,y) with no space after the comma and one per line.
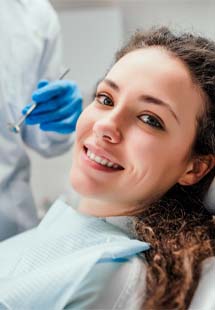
(105,100)
(151,121)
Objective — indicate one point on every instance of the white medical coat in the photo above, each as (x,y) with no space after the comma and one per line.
(30,50)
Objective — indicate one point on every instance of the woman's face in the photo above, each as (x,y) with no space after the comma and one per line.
(134,140)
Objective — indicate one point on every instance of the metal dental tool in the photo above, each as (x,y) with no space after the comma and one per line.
(16,126)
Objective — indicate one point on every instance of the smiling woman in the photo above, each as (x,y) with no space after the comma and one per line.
(136,115)
(144,157)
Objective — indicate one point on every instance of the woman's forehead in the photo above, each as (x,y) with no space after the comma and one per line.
(152,60)
(153,70)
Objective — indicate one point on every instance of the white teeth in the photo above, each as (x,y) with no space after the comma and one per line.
(97,159)
(104,162)
(101,161)
(109,164)
(92,156)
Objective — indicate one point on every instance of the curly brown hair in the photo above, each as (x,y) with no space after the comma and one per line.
(179,228)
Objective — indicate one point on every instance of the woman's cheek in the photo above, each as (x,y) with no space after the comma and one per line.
(82,120)
(85,121)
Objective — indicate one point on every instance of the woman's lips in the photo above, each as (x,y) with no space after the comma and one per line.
(98,166)
(98,151)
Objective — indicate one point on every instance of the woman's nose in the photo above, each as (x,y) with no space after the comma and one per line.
(107,130)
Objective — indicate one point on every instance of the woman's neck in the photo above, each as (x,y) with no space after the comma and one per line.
(101,208)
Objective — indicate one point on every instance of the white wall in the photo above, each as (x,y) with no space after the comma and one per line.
(91,37)
(198,15)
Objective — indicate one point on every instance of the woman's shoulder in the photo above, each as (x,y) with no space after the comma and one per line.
(112,285)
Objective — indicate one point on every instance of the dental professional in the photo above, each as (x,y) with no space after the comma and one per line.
(30,51)
(144,157)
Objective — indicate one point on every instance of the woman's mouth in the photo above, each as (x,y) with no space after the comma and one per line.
(102,162)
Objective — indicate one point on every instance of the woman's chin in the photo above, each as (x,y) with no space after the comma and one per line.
(82,186)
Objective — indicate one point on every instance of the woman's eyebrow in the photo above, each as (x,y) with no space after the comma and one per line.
(111,83)
(153,100)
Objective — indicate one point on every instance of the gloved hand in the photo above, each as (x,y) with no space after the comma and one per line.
(59,105)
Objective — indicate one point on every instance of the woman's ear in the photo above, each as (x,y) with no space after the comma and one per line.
(197,169)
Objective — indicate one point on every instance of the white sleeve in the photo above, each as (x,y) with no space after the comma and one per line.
(50,67)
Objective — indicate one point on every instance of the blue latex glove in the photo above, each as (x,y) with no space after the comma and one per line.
(59,105)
